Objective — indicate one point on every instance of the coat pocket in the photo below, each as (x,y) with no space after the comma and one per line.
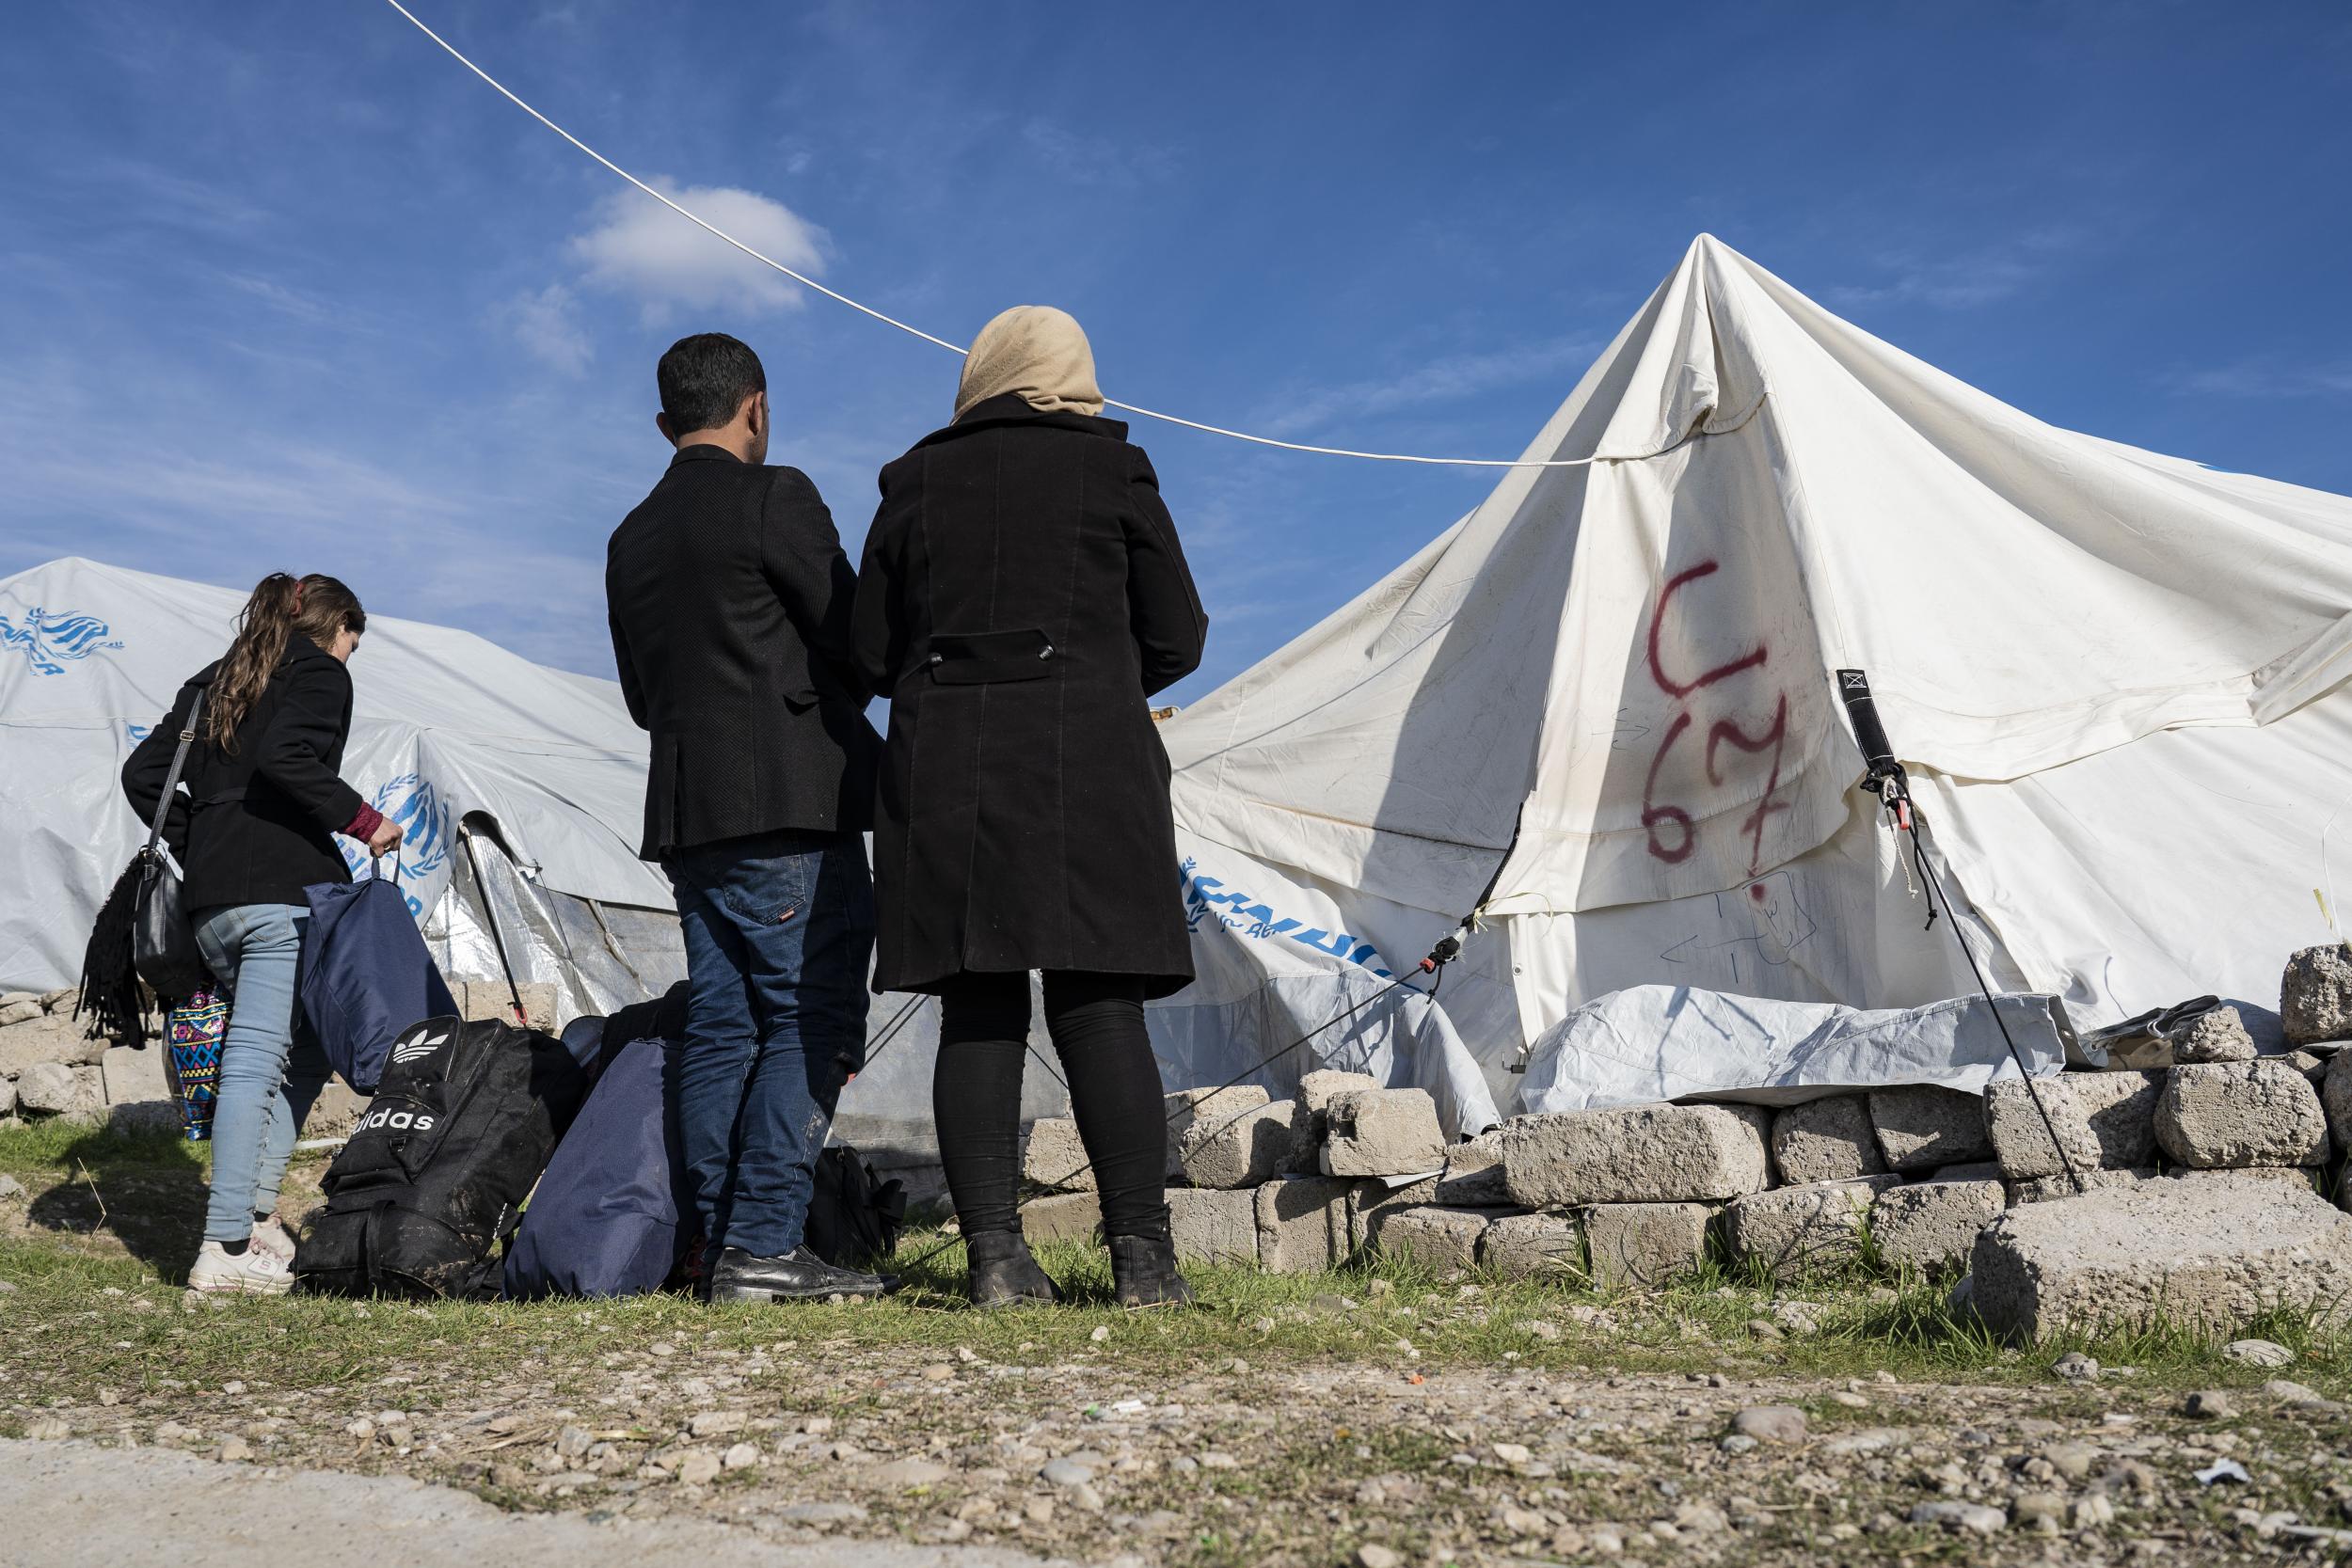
(991,658)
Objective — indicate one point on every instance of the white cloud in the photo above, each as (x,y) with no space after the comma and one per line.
(640,246)
(1967,277)
(546,322)
(2261,378)
(1443,380)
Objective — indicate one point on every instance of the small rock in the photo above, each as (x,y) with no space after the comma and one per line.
(1102,1332)
(1067,1473)
(938,1372)
(10,1188)
(1513,1453)
(1737,1442)
(2258,1353)
(2293,1393)
(741,1457)
(235,1450)
(2089,1511)
(2208,1404)
(2075,1366)
(1974,1517)
(2224,1469)
(1771,1423)
(700,1468)
(2043,1511)
(824,1513)
(572,1442)
(1850,1400)
(2071,1460)
(906,1475)
(1377,1557)
(50,1428)
(715,1423)
(1759,1329)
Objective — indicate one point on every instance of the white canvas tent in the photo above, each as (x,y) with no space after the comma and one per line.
(1598,713)
(447,728)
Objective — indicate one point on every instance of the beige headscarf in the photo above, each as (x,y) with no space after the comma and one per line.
(1038,352)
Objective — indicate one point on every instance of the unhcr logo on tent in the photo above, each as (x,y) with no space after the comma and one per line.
(411,800)
(49,644)
(1207,897)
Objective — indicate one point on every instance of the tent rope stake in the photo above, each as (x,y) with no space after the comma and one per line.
(838,297)
(1887,780)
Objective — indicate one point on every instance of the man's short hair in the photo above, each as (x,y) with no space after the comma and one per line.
(705,379)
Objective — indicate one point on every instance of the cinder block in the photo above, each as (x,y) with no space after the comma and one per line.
(1239,1150)
(1317,1089)
(1436,1239)
(2219,1035)
(1811,1230)
(1637,1154)
(2336,1096)
(1062,1217)
(2315,995)
(2051,1189)
(1473,1178)
(1303,1224)
(1186,1107)
(1533,1246)
(1053,1157)
(51,1038)
(2106,1119)
(2225,1114)
(1921,1126)
(1931,1226)
(1369,1203)
(1383,1132)
(55,1089)
(1213,1226)
(2209,1255)
(131,1076)
(1828,1139)
(1644,1245)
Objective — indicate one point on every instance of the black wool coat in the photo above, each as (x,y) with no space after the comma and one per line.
(257,825)
(1023,594)
(729,598)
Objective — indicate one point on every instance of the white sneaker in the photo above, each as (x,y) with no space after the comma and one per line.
(272,1238)
(256,1272)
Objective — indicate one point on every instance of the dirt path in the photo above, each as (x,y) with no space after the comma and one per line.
(72,1505)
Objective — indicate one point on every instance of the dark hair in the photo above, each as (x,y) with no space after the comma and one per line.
(317,607)
(705,379)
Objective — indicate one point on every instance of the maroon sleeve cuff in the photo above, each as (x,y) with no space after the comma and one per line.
(363,825)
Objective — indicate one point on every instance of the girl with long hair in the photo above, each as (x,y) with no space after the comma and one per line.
(256,825)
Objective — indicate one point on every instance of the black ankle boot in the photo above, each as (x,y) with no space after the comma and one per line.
(1002,1272)
(1143,1269)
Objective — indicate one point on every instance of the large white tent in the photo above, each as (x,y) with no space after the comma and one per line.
(1598,713)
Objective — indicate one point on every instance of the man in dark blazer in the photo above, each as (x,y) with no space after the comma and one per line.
(730,601)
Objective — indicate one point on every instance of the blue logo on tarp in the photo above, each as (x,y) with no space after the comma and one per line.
(1207,898)
(49,644)
(426,831)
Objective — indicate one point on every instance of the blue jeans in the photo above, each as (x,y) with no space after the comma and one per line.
(267,1083)
(779,932)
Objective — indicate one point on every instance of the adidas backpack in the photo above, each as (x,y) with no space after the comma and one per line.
(436,1174)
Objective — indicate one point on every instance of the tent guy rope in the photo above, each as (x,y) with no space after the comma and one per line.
(834,295)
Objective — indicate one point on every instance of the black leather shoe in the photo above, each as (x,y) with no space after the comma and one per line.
(1003,1273)
(1143,1269)
(798,1275)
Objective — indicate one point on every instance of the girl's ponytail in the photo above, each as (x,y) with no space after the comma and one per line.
(316,606)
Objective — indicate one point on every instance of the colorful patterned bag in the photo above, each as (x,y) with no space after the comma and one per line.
(193,1033)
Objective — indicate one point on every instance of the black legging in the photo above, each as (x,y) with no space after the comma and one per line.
(1097,1024)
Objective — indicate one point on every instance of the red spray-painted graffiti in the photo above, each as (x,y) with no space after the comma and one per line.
(1681,836)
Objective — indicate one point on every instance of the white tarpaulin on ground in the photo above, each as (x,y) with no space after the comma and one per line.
(1599,710)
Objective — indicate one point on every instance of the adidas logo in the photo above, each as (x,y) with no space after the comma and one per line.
(409,1051)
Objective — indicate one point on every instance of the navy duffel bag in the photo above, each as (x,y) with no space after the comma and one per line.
(366,975)
(611,1217)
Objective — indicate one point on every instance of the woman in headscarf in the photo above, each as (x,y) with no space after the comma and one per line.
(1022,595)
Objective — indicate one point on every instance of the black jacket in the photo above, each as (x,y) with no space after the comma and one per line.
(257,825)
(730,599)
(1023,594)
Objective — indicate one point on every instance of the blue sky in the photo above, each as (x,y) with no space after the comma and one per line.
(281,286)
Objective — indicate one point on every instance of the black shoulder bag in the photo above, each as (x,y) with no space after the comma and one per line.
(162,942)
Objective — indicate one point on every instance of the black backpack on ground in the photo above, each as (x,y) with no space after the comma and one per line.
(434,1176)
(853,1216)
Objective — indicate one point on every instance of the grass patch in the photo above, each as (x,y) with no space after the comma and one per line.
(98,1254)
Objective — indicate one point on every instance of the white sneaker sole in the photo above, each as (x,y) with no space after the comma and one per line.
(241,1287)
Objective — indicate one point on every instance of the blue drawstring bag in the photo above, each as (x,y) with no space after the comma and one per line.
(612,1216)
(366,975)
